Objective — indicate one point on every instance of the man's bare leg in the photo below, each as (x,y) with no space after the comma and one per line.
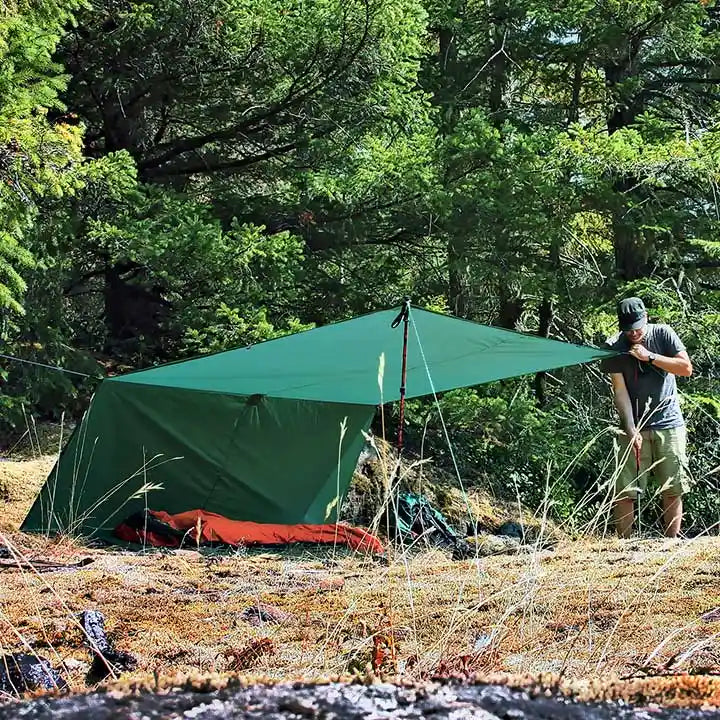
(624,513)
(672,514)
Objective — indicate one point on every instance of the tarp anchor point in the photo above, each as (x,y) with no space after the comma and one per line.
(404,313)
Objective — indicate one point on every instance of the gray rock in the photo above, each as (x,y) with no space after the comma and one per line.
(20,672)
(485,545)
(512,529)
(339,701)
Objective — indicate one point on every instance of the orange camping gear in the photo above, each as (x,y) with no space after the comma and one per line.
(199,526)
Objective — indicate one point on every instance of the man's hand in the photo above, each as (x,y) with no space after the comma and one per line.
(640,352)
(637,441)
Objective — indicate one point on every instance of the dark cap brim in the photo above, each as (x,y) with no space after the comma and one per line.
(641,322)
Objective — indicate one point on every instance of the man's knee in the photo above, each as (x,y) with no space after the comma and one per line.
(628,494)
(675,483)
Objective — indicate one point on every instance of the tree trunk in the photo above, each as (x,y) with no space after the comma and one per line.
(457,262)
(133,311)
(631,256)
(510,309)
(574,109)
(458,278)
(632,252)
(545,321)
(498,77)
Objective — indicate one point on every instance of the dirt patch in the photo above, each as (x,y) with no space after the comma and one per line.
(20,482)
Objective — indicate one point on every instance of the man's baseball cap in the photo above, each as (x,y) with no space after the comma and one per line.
(631,314)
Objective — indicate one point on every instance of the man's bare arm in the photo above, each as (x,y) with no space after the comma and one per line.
(678,365)
(621,398)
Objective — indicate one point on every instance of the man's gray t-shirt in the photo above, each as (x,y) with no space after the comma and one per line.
(647,383)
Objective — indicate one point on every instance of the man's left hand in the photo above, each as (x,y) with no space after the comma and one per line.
(640,352)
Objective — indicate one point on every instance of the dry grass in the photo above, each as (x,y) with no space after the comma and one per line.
(585,610)
(24,467)
(20,482)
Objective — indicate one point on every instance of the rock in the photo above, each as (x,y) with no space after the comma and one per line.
(495,545)
(20,673)
(380,701)
(106,659)
(711,615)
(263,613)
(75,665)
(482,642)
(512,529)
(332,583)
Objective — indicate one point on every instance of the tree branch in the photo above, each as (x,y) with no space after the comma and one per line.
(291,99)
(210,166)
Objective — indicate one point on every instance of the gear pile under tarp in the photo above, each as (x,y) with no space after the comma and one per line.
(161,529)
(415,518)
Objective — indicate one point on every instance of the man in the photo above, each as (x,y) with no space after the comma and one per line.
(645,395)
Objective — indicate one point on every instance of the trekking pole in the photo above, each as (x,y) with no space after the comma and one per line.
(637,450)
(404,317)
(637,484)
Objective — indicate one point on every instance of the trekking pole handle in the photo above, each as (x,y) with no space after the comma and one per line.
(403,314)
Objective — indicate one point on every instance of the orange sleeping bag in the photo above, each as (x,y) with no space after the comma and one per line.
(162,529)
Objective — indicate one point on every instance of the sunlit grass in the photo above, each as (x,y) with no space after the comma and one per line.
(592,607)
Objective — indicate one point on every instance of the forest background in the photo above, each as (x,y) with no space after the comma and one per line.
(184,176)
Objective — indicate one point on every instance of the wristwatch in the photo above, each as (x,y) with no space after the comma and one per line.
(651,358)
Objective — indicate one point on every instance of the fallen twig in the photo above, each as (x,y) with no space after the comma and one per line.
(43,565)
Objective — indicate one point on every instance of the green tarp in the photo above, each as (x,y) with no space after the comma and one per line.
(339,362)
(268,433)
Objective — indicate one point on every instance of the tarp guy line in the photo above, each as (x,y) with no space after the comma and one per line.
(449,443)
(50,367)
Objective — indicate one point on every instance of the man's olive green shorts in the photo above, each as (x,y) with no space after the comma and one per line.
(663,454)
